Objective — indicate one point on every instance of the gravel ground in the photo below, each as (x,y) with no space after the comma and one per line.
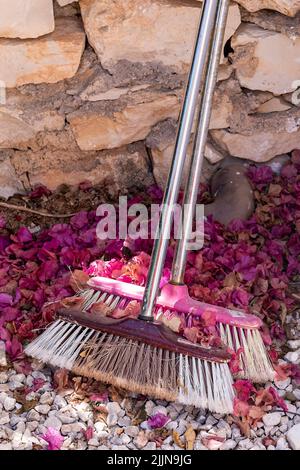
(122,424)
(31,404)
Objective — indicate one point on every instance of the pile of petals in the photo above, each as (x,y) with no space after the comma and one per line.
(247,265)
(250,404)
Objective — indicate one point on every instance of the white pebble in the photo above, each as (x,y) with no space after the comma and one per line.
(4,418)
(33,415)
(46,399)
(100,426)
(159,409)
(39,375)
(9,403)
(245,444)
(294,344)
(112,419)
(32,425)
(75,427)
(211,421)
(283,384)
(124,421)
(272,419)
(43,409)
(149,407)
(6,446)
(131,431)
(291,410)
(150,446)
(3,360)
(125,439)
(228,445)
(113,408)
(282,444)
(3,377)
(59,401)
(53,422)
(296,392)
(293,437)
(292,356)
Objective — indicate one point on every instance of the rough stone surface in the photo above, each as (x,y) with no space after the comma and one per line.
(63,3)
(61,164)
(94,131)
(161,32)
(287,7)
(76,116)
(259,147)
(49,59)
(26,18)
(257,68)
(9,185)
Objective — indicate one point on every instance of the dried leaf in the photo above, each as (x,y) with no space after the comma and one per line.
(78,280)
(268,441)
(61,378)
(190,437)
(117,394)
(140,416)
(231,280)
(27,405)
(178,440)
(173,323)
(256,413)
(243,424)
(75,302)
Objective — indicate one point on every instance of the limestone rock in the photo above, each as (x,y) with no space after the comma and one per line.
(23,116)
(258,57)
(48,59)
(161,160)
(13,131)
(274,21)
(63,3)
(159,32)
(273,105)
(26,18)
(287,7)
(259,147)
(115,170)
(9,185)
(95,129)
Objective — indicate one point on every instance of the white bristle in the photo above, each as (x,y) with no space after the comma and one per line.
(148,370)
(254,360)
(92,297)
(205,384)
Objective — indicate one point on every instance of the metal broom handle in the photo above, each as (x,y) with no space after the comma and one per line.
(193,181)
(199,62)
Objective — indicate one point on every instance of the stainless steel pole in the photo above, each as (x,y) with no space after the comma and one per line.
(199,62)
(193,181)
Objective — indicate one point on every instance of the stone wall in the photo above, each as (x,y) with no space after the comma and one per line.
(91,89)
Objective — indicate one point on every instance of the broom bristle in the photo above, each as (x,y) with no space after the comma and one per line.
(254,363)
(136,366)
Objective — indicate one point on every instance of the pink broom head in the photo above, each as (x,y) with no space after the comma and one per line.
(176,297)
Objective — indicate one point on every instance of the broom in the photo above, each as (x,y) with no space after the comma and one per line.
(239,331)
(142,355)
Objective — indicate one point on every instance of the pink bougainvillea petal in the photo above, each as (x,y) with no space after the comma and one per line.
(53,438)
(157,421)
